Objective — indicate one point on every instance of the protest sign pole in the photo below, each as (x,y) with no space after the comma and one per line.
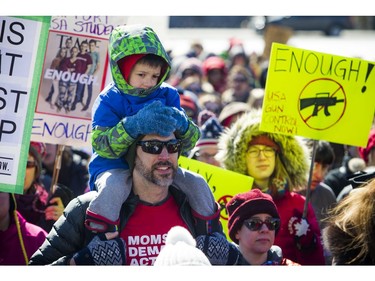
(309,180)
(56,167)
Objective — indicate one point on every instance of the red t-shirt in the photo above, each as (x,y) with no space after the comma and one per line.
(146,231)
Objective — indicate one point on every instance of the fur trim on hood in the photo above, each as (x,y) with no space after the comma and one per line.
(233,145)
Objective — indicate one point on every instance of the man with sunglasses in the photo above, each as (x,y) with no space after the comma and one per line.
(154,206)
(122,112)
(253,223)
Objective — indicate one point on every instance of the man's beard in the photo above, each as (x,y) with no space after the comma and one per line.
(149,173)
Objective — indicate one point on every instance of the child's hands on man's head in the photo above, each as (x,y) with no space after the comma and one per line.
(182,124)
(154,118)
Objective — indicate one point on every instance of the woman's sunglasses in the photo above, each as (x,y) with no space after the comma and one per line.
(256,224)
(156,147)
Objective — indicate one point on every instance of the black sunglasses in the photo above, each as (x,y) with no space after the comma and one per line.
(156,147)
(256,224)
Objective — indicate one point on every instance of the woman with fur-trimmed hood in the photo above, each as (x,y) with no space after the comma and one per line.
(279,165)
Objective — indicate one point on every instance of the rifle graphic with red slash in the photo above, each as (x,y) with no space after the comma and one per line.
(321,99)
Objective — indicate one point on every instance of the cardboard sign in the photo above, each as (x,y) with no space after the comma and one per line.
(68,90)
(22,47)
(224,184)
(319,96)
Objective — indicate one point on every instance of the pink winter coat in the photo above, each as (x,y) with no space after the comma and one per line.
(11,252)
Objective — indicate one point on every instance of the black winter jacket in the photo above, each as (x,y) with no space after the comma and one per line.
(69,234)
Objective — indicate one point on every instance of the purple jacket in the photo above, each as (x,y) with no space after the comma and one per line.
(11,252)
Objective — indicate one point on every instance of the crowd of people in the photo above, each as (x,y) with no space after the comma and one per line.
(129,203)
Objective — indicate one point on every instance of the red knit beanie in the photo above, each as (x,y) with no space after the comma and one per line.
(365,151)
(40,147)
(214,62)
(190,107)
(38,151)
(264,140)
(126,64)
(243,206)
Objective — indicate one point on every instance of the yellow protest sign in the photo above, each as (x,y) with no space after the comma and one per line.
(319,96)
(224,184)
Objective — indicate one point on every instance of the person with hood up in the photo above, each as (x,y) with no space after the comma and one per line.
(19,239)
(279,165)
(122,113)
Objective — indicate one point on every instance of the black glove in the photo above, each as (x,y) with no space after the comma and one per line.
(101,251)
(218,249)
(154,118)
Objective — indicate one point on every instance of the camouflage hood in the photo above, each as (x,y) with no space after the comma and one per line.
(233,145)
(128,40)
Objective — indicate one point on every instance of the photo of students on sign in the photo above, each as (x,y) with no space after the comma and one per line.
(224,183)
(73,74)
(75,71)
(319,96)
